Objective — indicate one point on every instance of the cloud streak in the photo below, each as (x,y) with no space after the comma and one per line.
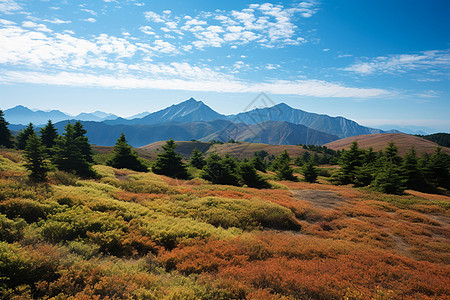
(217,83)
(400,63)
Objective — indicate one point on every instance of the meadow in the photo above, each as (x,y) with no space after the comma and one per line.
(132,235)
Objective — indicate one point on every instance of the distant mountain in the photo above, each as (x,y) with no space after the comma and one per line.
(97,116)
(139,116)
(188,111)
(276,133)
(23,115)
(409,129)
(273,133)
(337,126)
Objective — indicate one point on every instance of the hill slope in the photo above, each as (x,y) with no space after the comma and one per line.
(379,141)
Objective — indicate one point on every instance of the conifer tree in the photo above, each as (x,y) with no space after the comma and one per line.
(310,172)
(414,178)
(438,169)
(83,142)
(388,180)
(281,165)
(67,155)
(248,175)
(169,163)
(35,156)
(125,157)
(391,154)
(24,135)
(197,159)
(221,170)
(49,135)
(350,160)
(258,163)
(6,139)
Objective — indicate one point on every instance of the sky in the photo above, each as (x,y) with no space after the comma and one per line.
(376,62)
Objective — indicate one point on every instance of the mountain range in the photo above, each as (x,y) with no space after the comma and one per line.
(192,119)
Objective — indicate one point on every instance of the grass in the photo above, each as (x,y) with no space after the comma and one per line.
(144,236)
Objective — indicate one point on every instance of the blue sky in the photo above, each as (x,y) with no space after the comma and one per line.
(376,62)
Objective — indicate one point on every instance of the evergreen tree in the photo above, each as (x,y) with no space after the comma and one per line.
(258,163)
(350,160)
(388,180)
(67,155)
(169,163)
(248,175)
(221,170)
(391,154)
(414,178)
(438,169)
(35,156)
(125,157)
(6,139)
(281,165)
(48,136)
(24,135)
(310,172)
(83,142)
(197,159)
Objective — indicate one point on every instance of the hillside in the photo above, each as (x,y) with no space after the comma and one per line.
(239,150)
(130,235)
(378,142)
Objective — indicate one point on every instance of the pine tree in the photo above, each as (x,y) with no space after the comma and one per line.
(83,142)
(67,155)
(258,163)
(391,154)
(414,178)
(35,156)
(350,160)
(310,172)
(48,136)
(125,157)
(438,169)
(197,159)
(248,175)
(281,165)
(169,163)
(24,135)
(6,139)
(221,170)
(388,180)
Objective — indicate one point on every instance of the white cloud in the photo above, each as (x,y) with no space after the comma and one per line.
(403,62)
(38,27)
(57,21)
(152,16)
(147,30)
(90,11)
(90,20)
(216,83)
(9,6)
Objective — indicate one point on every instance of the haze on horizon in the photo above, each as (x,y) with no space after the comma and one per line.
(376,63)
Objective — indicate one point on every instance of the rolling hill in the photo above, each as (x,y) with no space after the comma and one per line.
(379,141)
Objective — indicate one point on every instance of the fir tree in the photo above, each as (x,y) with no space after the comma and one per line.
(35,156)
(169,163)
(221,170)
(388,180)
(310,172)
(6,139)
(281,165)
(248,175)
(82,141)
(48,136)
(24,135)
(258,163)
(391,154)
(197,159)
(350,160)
(438,169)
(67,155)
(414,178)
(125,157)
